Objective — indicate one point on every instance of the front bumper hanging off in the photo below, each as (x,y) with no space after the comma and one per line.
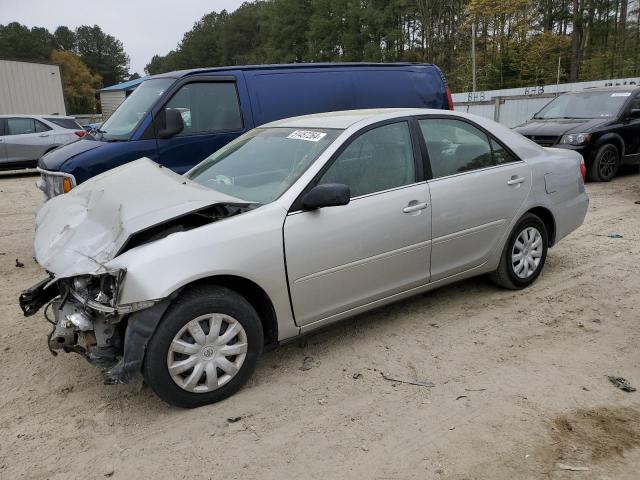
(114,343)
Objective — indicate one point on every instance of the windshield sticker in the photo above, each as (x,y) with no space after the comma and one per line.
(307,135)
(623,94)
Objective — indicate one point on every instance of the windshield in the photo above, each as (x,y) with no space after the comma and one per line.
(262,164)
(125,119)
(584,105)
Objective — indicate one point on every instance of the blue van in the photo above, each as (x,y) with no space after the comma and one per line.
(179,118)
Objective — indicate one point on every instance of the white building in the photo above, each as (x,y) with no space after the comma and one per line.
(111,97)
(30,88)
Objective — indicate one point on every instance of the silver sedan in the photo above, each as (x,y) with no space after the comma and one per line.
(25,138)
(294,225)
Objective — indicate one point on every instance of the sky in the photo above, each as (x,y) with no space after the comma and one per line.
(145,27)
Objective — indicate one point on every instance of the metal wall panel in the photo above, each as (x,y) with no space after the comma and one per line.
(540,89)
(30,88)
(517,105)
(110,100)
(482,110)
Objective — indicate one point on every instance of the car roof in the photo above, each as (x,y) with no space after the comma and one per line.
(280,66)
(346,118)
(39,116)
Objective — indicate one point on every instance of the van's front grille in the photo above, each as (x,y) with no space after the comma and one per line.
(51,183)
(544,140)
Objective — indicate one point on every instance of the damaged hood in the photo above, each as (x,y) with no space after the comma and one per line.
(77,233)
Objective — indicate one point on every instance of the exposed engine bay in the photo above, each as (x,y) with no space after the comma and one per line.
(85,312)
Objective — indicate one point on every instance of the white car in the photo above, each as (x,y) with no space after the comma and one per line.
(25,138)
(292,226)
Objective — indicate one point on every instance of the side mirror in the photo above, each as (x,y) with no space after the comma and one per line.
(173,123)
(326,195)
(634,113)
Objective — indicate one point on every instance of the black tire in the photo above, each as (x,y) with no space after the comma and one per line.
(506,276)
(191,304)
(606,164)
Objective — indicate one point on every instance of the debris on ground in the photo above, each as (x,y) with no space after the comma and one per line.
(418,383)
(621,383)
(610,235)
(19,264)
(474,389)
(109,473)
(434,325)
(356,376)
(308,363)
(461,396)
(234,419)
(563,466)
(637,202)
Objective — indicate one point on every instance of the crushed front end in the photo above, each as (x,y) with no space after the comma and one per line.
(87,319)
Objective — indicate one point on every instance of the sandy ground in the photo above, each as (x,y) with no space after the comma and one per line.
(520,380)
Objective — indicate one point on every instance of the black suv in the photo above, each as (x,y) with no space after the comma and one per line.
(602,124)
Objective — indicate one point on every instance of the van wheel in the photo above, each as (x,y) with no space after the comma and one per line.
(205,348)
(524,254)
(605,164)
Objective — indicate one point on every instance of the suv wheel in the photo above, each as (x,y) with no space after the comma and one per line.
(605,164)
(205,348)
(524,254)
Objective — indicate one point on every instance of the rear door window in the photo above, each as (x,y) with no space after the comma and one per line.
(456,147)
(207,107)
(20,126)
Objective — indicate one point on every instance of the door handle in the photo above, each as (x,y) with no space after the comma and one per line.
(415,207)
(44,135)
(516,180)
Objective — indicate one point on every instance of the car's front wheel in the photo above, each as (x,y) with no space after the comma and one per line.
(606,164)
(205,348)
(524,254)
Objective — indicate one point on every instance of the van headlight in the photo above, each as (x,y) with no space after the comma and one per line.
(575,139)
(55,183)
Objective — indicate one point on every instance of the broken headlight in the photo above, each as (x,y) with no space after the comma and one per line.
(101,289)
(101,292)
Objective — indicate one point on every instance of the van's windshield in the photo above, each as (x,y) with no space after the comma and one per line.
(128,115)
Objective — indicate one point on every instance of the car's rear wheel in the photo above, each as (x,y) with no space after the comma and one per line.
(524,254)
(205,348)
(606,164)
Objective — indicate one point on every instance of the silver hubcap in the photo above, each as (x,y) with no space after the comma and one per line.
(207,352)
(527,252)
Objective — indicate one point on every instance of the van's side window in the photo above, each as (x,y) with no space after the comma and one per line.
(207,107)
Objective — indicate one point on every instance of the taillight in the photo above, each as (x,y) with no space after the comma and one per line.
(583,170)
(80,133)
(449,98)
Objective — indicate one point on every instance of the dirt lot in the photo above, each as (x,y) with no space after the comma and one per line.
(520,380)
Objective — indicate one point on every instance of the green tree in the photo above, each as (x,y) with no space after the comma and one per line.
(65,39)
(19,42)
(103,54)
